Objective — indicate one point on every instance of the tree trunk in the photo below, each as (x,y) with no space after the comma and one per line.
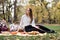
(3,9)
(15,15)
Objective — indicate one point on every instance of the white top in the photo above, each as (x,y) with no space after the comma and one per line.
(25,20)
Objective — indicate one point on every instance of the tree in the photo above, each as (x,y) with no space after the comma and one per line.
(15,17)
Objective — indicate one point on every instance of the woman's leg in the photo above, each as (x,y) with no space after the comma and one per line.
(29,28)
(45,29)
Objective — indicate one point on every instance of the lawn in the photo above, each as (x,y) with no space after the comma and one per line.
(49,36)
(56,28)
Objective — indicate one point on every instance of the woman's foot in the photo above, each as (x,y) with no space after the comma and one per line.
(52,31)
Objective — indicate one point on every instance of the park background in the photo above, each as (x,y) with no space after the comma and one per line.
(46,12)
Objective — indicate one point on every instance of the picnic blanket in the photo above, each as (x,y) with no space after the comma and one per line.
(27,36)
(6,33)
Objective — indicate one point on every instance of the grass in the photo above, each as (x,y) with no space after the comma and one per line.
(49,36)
(56,28)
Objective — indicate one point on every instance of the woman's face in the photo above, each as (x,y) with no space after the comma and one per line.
(27,11)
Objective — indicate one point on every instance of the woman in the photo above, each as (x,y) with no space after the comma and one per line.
(27,23)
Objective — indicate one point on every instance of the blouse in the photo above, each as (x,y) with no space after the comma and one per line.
(25,21)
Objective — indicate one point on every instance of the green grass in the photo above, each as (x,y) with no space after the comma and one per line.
(49,36)
(56,28)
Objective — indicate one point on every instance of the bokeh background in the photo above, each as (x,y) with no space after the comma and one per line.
(45,11)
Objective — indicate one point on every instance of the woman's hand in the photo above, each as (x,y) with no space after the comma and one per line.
(36,27)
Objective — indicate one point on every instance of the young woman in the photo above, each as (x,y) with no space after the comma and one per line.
(27,23)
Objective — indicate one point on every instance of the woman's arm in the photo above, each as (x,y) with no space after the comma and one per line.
(21,23)
(33,22)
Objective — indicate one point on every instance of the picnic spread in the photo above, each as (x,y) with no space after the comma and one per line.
(33,33)
(6,35)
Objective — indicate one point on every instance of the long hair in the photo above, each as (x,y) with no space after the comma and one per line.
(31,15)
